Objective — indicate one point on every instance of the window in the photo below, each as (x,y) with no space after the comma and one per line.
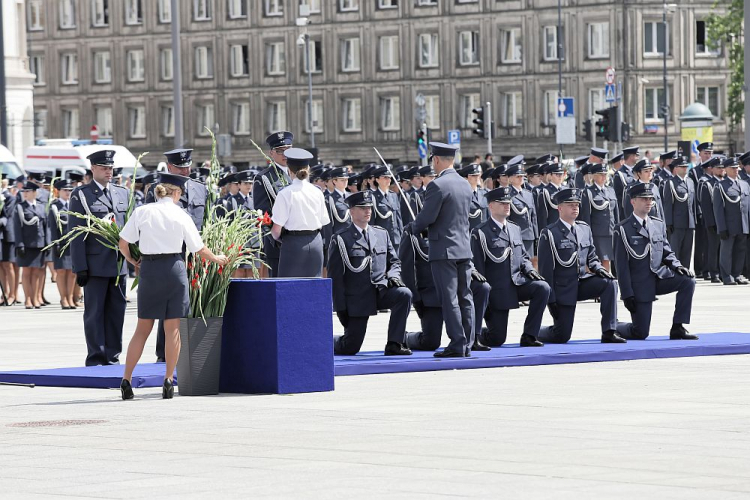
(350,54)
(510,46)
(239,64)
(710,97)
(389,49)
(102,67)
(36,66)
(40,124)
(387,4)
(35,19)
(426,3)
(136,66)
(99,13)
(551,44)
(276,116)
(390,113)
(348,5)
(512,109)
(313,6)
(316,57)
(241,118)
(352,111)
(204,62)
(275,59)
(654,38)
(596,101)
(70,123)
(165,11)
(237,9)
(598,40)
(468,102)
(205,118)
(133,12)
(167,120)
(137,122)
(67,14)
(432,107)
(201,10)
(654,101)
(549,108)
(104,120)
(317,115)
(428,50)
(165,64)
(468,48)
(69,65)
(274,8)
(704,46)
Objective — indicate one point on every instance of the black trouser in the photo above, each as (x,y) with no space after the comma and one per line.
(683,285)
(537,293)
(711,255)
(732,257)
(681,241)
(699,258)
(432,329)
(398,300)
(103,317)
(453,282)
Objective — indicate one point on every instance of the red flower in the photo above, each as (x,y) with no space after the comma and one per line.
(203,259)
(194,283)
(190,264)
(221,269)
(265,220)
(230,247)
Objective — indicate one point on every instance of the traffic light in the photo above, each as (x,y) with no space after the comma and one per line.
(587,130)
(420,137)
(625,130)
(480,129)
(606,126)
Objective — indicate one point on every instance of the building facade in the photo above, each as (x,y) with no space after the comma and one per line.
(19,93)
(108,63)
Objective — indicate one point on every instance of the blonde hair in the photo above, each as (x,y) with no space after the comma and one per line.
(163,189)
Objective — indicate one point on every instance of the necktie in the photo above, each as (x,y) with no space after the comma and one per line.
(645,227)
(106,193)
(504,229)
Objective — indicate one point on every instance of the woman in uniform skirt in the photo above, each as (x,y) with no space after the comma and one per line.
(32,235)
(160,229)
(299,213)
(58,227)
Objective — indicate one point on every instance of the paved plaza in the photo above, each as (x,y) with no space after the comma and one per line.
(673,428)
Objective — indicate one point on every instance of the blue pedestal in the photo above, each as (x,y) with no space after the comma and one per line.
(277,337)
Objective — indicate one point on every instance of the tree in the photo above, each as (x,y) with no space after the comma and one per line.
(727,28)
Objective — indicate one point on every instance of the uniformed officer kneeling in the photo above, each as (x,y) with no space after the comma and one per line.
(647,267)
(366,276)
(568,261)
(500,255)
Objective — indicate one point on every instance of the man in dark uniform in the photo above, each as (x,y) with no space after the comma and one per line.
(405,177)
(732,214)
(596,157)
(700,256)
(266,186)
(366,276)
(547,209)
(522,207)
(99,270)
(705,152)
(446,205)
(568,262)
(665,171)
(427,175)
(706,229)
(387,206)
(624,176)
(599,210)
(679,209)
(338,209)
(643,173)
(616,162)
(478,211)
(500,256)
(647,267)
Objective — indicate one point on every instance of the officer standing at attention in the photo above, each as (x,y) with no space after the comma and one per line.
(366,275)
(244,203)
(338,209)
(679,209)
(387,206)
(547,209)
(643,172)
(624,176)
(96,267)
(568,262)
(499,254)
(599,210)
(522,207)
(426,175)
(700,257)
(712,174)
(732,214)
(446,205)
(266,187)
(478,211)
(31,228)
(299,213)
(646,267)
(59,227)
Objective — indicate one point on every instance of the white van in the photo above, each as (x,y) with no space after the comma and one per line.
(8,164)
(58,159)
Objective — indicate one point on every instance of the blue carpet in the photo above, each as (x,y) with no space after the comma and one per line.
(580,351)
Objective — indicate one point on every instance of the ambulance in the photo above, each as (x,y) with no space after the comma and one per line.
(9,165)
(57,158)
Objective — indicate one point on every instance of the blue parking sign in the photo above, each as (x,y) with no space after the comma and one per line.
(422,149)
(454,137)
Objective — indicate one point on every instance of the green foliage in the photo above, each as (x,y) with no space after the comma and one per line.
(726,28)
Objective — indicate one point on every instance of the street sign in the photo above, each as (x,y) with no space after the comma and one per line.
(694,146)
(422,149)
(454,137)
(94,133)
(566,121)
(609,76)
(609,93)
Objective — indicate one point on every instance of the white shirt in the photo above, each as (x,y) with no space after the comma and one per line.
(640,221)
(100,186)
(161,227)
(570,227)
(300,207)
(501,226)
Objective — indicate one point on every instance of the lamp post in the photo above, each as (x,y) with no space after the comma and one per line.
(665,107)
(176,74)
(304,41)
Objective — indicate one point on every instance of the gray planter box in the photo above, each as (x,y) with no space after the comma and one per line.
(199,365)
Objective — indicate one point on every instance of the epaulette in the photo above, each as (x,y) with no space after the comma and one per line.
(655,218)
(508,221)
(121,187)
(581,222)
(378,227)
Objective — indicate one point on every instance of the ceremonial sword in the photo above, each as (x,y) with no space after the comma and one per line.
(401,191)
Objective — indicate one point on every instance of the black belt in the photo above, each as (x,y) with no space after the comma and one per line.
(311,232)
(157,256)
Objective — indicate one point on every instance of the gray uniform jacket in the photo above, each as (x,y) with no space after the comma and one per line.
(416,272)
(679,203)
(386,213)
(599,210)
(192,201)
(30,225)
(523,214)
(732,206)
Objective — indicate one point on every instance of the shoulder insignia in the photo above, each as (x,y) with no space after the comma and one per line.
(581,222)
(508,221)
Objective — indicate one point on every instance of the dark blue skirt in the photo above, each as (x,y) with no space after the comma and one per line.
(163,289)
(33,257)
(64,261)
(603,246)
(301,256)
(7,252)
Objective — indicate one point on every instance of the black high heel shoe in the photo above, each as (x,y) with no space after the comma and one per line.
(167,391)
(126,390)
